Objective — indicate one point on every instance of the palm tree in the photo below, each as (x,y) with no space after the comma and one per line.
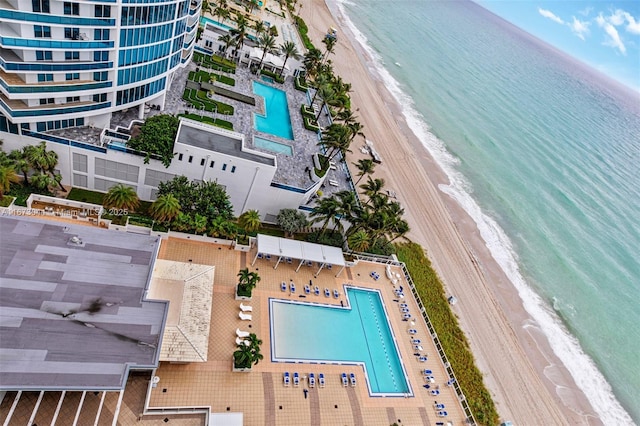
(121,196)
(360,241)
(259,27)
(325,210)
(42,181)
(373,186)
(247,281)
(326,94)
(243,356)
(289,50)
(165,208)
(312,60)
(240,32)
(268,43)
(336,139)
(199,223)
(365,166)
(330,44)
(7,177)
(228,41)
(250,221)
(205,8)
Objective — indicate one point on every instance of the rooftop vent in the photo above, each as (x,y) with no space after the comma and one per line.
(76,241)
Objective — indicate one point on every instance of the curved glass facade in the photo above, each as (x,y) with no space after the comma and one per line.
(89,59)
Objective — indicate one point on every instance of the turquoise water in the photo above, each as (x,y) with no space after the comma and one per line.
(276,120)
(267,78)
(301,331)
(544,154)
(277,147)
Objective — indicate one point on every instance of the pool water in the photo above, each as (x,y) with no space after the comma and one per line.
(277,147)
(267,78)
(316,333)
(276,120)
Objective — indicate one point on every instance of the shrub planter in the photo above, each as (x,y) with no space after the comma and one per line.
(242,296)
(235,369)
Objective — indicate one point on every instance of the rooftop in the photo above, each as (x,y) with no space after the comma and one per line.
(71,307)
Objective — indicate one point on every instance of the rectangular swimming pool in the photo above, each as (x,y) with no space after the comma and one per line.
(273,146)
(359,334)
(276,120)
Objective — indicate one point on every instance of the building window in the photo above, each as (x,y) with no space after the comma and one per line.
(103,11)
(40,6)
(202,161)
(190,158)
(72,76)
(116,170)
(101,34)
(43,55)
(71,8)
(71,55)
(233,169)
(211,164)
(72,33)
(45,77)
(224,167)
(100,97)
(80,180)
(47,101)
(79,162)
(101,56)
(100,76)
(179,157)
(73,99)
(42,31)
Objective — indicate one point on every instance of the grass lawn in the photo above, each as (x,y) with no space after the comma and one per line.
(214,62)
(6,200)
(214,122)
(198,98)
(86,196)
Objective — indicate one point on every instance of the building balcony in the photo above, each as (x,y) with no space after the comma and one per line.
(44,43)
(13,84)
(9,15)
(17,108)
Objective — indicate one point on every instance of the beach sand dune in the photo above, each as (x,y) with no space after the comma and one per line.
(512,359)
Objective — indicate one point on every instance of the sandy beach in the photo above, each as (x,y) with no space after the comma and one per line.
(528,383)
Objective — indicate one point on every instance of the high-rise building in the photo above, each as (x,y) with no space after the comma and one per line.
(73,63)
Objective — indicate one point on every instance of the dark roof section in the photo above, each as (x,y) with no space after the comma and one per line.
(220,143)
(71,309)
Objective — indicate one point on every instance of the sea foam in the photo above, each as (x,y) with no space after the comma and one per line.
(565,346)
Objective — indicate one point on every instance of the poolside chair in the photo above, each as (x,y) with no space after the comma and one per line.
(307,289)
(417,348)
(352,379)
(404,305)
(309,263)
(259,255)
(289,260)
(435,392)
(312,380)
(345,381)
(430,379)
(327,293)
(404,310)
(427,372)
(296,379)
(240,341)
(268,257)
(413,331)
(336,293)
(286,378)
(316,290)
(438,406)
(416,341)
(321,380)
(292,286)
(406,316)
(451,381)
(422,359)
(442,414)
(241,333)
(245,317)
(283,286)
(246,308)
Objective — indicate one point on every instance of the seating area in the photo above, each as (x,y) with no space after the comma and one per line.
(311,379)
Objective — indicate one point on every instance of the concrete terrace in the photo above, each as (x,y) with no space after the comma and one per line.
(261,395)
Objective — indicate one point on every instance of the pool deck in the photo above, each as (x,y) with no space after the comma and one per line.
(260,395)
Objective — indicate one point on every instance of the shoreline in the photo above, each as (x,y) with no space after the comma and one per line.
(511,351)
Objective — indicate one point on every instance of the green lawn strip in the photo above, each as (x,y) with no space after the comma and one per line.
(204,119)
(198,98)
(301,84)
(214,62)
(453,340)
(203,76)
(86,196)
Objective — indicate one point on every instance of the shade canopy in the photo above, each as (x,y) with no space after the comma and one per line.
(269,59)
(301,250)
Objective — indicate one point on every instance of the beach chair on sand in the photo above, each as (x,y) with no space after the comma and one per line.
(352,379)
(321,380)
(312,380)
(287,378)
(296,379)
(345,381)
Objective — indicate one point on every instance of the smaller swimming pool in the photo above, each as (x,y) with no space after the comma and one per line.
(267,79)
(273,146)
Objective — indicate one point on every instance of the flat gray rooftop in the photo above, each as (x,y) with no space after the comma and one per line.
(71,309)
(219,143)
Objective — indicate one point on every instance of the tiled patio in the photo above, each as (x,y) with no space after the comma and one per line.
(261,395)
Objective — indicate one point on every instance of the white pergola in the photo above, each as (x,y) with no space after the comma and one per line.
(274,61)
(283,248)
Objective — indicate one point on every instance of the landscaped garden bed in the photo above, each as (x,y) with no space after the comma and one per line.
(208,120)
(214,62)
(199,99)
(203,76)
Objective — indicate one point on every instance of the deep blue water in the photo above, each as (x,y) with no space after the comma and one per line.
(544,154)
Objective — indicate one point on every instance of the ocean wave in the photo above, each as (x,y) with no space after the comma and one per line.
(565,346)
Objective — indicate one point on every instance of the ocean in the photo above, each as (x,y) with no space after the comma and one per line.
(544,154)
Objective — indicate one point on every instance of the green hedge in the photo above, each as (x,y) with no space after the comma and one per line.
(213,121)
(214,62)
(453,340)
(307,111)
(276,77)
(300,84)
(304,32)
(200,76)
(198,98)
(308,125)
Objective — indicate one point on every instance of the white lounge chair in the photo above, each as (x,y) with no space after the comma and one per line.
(345,381)
(246,308)
(241,341)
(241,333)
(286,378)
(352,379)
(312,380)
(321,380)
(245,317)
(296,379)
